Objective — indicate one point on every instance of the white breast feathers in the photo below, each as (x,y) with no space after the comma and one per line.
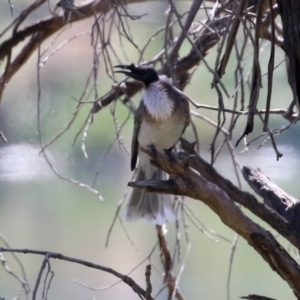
(157,101)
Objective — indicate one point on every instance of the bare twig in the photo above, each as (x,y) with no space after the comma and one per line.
(11,8)
(23,280)
(52,255)
(232,252)
(167,261)
(148,282)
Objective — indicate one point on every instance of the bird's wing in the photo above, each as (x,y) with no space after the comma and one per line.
(182,101)
(136,128)
(188,113)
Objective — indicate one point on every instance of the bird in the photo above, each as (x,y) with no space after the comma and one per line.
(159,122)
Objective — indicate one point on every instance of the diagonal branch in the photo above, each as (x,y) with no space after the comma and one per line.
(186,180)
(232,36)
(44,28)
(208,39)
(273,196)
(184,28)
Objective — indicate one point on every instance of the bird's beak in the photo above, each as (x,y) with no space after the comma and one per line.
(127,69)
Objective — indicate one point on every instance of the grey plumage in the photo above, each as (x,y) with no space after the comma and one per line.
(160,120)
(154,208)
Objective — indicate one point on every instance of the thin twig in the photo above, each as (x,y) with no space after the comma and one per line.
(11,8)
(48,255)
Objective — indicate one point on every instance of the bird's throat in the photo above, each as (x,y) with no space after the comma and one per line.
(157,101)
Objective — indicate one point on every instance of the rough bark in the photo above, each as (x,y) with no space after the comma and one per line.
(191,176)
(284,204)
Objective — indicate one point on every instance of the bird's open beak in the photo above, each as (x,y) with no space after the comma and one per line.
(127,69)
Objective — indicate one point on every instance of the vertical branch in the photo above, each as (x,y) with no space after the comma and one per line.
(232,36)
(184,28)
(22,279)
(256,74)
(270,67)
(11,8)
(38,279)
(148,282)
(167,261)
(233,248)
(40,133)
(239,82)
(221,123)
(95,38)
(4,77)
(289,11)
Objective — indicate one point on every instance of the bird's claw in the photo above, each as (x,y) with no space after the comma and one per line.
(153,150)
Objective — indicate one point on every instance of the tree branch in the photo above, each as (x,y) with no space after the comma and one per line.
(44,28)
(126,279)
(209,38)
(274,197)
(193,177)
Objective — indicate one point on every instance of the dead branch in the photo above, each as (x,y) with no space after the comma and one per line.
(193,177)
(41,30)
(284,204)
(256,297)
(203,44)
(167,261)
(240,7)
(48,255)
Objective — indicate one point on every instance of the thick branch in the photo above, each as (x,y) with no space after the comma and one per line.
(219,194)
(246,199)
(273,196)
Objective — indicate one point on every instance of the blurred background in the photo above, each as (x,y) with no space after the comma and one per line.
(39,210)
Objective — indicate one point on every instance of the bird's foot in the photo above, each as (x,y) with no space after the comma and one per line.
(153,150)
(170,156)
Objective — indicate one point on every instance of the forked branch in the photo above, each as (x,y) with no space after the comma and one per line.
(48,255)
(191,176)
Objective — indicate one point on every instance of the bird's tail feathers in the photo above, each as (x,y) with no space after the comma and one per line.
(153,208)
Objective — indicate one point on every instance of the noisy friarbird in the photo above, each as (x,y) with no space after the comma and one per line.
(159,122)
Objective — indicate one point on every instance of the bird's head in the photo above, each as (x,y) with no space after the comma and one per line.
(145,74)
